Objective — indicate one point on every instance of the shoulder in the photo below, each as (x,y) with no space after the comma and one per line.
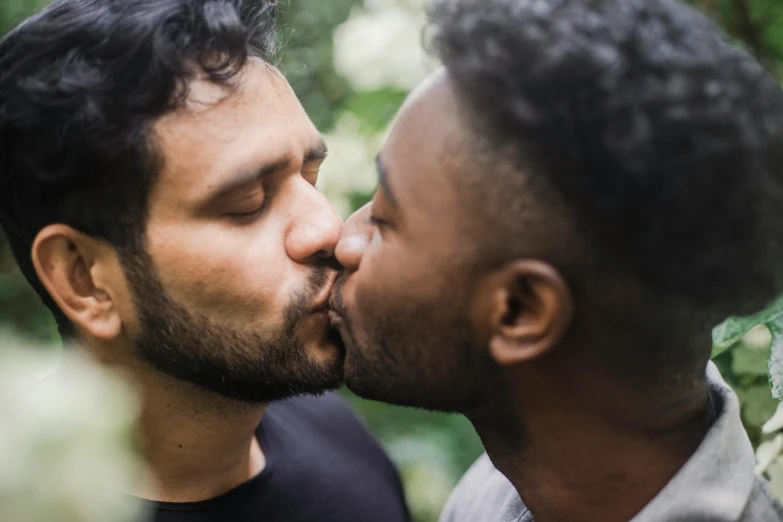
(482,494)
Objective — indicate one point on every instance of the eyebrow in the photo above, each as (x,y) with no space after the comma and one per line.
(383,181)
(317,152)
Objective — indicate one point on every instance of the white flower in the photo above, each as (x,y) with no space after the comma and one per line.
(381,46)
(350,167)
(65,441)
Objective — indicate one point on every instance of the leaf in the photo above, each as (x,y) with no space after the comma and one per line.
(375,109)
(729,332)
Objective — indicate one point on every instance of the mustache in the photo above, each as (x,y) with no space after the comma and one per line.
(322,273)
(322,276)
(304,300)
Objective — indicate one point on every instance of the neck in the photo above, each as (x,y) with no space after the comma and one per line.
(570,461)
(197,445)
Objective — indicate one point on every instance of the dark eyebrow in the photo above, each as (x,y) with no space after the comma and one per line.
(244,179)
(383,181)
(317,152)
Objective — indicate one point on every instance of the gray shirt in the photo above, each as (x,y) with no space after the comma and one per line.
(717,484)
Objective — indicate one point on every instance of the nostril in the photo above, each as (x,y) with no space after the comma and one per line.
(327,259)
(322,254)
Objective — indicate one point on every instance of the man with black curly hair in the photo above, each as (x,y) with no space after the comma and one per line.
(563,214)
(157,189)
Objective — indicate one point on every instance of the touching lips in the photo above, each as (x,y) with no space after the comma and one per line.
(336,312)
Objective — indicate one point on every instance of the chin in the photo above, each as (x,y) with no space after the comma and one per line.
(383,381)
(372,381)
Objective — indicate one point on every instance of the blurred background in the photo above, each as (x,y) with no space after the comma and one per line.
(352,62)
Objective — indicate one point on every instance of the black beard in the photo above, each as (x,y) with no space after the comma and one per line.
(238,363)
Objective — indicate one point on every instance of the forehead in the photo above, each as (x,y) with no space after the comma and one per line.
(221,130)
(426,150)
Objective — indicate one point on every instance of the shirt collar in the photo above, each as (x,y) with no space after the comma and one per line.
(716,482)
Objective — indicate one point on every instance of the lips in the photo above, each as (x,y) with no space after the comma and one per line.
(336,301)
(336,312)
(335,319)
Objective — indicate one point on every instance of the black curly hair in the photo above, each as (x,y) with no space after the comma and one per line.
(658,139)
(664,139)
(81,84)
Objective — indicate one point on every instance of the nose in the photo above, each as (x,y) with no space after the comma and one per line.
(315,228)
(354,239)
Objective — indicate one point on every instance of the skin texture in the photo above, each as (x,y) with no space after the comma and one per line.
(224,310)
(431,317)
(412,292)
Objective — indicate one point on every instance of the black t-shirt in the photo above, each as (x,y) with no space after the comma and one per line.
(322,465)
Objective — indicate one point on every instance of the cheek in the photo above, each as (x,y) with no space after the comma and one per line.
(223,272)
(401,273)
(398,288)
(383,287)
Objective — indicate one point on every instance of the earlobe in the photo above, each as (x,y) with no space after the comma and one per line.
(532,310)
(67,262)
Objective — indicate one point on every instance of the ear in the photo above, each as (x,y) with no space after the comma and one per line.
(527,308)
(79,273)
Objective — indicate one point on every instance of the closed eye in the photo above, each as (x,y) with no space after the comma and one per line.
(245,217)
(377,222)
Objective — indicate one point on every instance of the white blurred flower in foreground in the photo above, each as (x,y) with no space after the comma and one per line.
(381,45)
(350,167)
(65,442)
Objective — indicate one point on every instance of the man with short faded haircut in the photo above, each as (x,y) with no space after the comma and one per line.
(563,213)
(157,187)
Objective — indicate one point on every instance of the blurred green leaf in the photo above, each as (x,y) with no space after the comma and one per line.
(758,405)
(728,333)
(749,361)
(375,109)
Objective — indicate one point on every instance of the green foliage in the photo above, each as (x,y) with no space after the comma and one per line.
(12,11)
(757,24)
(306,32)
(729,333)
(20,307)
(375,109)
